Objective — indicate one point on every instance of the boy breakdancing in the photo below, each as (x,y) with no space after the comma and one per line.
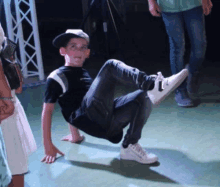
(91,106)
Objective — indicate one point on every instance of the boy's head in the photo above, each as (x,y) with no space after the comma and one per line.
(73,45)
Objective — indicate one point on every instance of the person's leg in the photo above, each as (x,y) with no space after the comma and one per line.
(17,181)
(99,100)
(195,25)
(132,109)
(138,116)
(174,24)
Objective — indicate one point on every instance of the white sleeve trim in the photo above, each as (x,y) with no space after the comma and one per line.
(56,77)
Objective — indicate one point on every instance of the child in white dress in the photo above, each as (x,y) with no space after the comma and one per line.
(17,134)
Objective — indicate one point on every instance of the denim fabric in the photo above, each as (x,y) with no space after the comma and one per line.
(194,23)
(114,114)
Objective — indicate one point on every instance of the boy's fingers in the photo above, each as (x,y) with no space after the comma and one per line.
(47,159)
(43,159)
(158,9)
(50,159)
(53,159)
(205,11)
(65,139)
(156,13)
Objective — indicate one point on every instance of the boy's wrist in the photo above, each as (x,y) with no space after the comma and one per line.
(47,143)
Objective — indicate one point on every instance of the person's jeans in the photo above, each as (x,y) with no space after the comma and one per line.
(194,23)
(115,114)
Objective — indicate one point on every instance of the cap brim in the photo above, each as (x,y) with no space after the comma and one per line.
(60,40)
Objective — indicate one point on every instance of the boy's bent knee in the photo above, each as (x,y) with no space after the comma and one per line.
(112,62)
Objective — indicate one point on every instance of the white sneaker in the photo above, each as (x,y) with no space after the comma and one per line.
(164,86)
(136,152)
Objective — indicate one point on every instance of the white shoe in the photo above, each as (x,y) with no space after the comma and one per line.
(136,152)
(164,86)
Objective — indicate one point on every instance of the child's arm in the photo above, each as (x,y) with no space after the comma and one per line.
(50,150)
(6,104)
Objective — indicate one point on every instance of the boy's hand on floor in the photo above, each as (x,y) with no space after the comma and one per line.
(70,138)
(51,153)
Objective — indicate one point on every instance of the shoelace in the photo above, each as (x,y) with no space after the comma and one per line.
(138,149)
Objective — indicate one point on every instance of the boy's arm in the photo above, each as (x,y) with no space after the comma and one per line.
(50,150)
(154,8)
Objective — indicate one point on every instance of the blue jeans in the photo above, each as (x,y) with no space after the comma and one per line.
(114,114)
(194,23)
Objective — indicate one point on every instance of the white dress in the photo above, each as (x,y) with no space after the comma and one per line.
(19,139)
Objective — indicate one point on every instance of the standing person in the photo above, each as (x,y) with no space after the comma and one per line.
(180,15)
(17,134)
(90,105)
(6,110)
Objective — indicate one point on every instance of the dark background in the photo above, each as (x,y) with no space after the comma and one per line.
(143,39)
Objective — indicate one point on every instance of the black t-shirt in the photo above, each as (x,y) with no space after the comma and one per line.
(77,82)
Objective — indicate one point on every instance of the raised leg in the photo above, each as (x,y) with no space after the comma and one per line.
(100,96)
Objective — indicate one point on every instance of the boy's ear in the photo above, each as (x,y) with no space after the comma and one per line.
(62,51)
(87,53)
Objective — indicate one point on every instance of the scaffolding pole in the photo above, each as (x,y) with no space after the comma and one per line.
(22,28)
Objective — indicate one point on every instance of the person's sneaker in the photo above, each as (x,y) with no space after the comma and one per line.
(136,152)
(182,98)
(164,86)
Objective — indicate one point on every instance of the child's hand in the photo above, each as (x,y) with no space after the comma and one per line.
(70,138)
(154,8)
(207,6)
(51,153)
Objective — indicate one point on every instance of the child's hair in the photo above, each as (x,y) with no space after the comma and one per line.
(66,41)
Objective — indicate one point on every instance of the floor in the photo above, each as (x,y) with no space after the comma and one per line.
(185,140)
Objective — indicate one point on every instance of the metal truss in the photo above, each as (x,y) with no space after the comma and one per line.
(22,28)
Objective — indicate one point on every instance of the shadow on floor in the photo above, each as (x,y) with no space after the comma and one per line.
(174,167)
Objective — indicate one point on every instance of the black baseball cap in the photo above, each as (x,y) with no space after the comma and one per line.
(61,39)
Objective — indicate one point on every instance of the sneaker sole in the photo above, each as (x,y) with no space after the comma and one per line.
(132,159)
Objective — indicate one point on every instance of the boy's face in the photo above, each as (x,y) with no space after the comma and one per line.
(76,51)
